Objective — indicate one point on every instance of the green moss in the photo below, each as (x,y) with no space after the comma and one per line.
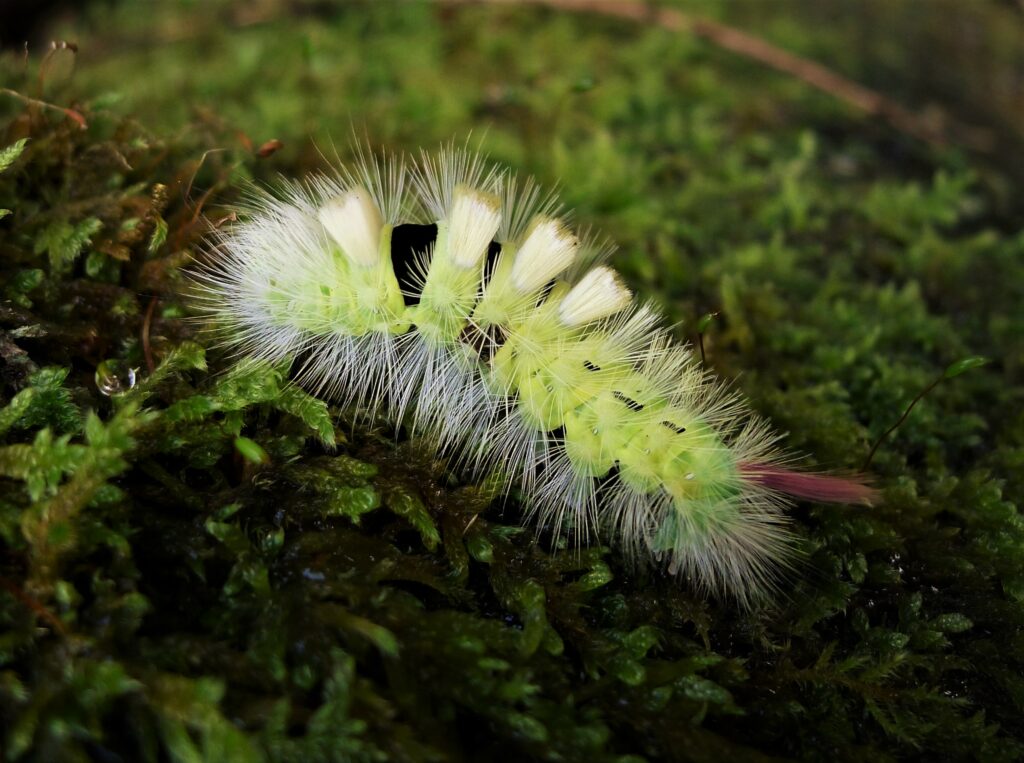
(214,565)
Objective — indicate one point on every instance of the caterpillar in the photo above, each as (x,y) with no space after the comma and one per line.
(511,345)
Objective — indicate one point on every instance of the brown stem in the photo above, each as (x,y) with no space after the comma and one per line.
(71,114)
(747,45)
(33,604)
(147,324)
(894,427)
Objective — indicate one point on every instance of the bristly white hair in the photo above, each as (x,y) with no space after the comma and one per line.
(595,249)
(437,176)
(384,176)
(521,203)
(235,290)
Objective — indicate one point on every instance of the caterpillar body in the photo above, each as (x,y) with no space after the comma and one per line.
(512,346)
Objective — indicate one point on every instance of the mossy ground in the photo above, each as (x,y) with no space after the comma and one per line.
(216,566)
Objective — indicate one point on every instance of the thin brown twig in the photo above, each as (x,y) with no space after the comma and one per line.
(747,45)
(899,423)
(147,324)
(230,217)
(71,114)
(199,166)
(33,604)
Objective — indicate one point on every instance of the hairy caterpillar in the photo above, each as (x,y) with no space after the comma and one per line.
(512,346)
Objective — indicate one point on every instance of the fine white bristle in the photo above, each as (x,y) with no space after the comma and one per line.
(522,202)
(354,222)
(438,177)
(546,253)
(473,221)
(599,293)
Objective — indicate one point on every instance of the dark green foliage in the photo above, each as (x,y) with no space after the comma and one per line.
(210,564)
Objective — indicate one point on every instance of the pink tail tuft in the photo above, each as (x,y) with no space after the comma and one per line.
(814,487)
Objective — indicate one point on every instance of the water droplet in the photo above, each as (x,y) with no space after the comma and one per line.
(114,377)
(689,476)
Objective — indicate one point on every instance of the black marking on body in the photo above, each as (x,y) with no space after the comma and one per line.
(408,242)
(493,250)
(629,402)
(674,427)
(591,366)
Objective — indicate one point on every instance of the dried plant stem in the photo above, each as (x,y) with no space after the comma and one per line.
(899,423)
(71,114)
(33,604)
(147,324)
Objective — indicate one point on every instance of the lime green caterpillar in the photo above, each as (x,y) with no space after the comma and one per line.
(510,344)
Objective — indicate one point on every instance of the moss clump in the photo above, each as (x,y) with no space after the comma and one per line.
(213,565)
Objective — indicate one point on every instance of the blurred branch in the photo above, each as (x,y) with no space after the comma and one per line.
(933,128)
(71,114)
